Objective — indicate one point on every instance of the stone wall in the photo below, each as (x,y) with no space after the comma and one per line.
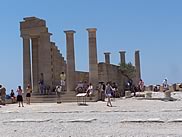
(81,76)
(110,72)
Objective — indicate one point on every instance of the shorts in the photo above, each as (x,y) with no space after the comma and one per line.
(28,95)
(19,98)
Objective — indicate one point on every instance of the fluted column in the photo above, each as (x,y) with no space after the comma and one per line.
(26,61)
(70,55)
(137,66)
(107,57)
(93,64)
(122,57)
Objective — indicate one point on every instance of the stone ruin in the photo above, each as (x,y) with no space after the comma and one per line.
(42,59)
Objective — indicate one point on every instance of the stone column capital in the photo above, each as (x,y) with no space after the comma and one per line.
(69,32)
(92,32)
(91,29)
(25,36)
(122,51)
(107,53)
(137,51)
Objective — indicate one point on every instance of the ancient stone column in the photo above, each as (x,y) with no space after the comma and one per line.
(35,64)
(107,57)
(45,60)
(122,57)
(70,56)
(137,66)
(26,62)
(93,65)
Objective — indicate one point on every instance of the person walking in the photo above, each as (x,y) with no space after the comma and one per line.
(108,93)
(20,97)
(28,95)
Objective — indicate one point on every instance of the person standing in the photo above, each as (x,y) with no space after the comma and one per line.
(58,91)
(141,85)
(165,85)
(28,95)
(63,79)
(3,94)
(20,97)
(108,93)
(12,95)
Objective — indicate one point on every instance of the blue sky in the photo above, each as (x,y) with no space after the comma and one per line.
(152,26)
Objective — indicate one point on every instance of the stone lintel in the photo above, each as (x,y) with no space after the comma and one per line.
(46,33)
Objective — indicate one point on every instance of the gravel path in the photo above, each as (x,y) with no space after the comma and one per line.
(127,118)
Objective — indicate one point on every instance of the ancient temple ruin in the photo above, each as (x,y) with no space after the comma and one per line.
(42,59)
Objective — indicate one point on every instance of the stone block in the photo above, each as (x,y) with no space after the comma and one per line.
(167,94)
(128,94)
(148,94)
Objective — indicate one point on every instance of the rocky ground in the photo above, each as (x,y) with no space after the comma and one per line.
(127,118)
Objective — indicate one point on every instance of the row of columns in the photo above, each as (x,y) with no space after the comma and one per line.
(70,56)
(93,63)
(123,61)
(34,61)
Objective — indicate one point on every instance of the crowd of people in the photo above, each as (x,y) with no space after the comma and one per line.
(13,97)
(108,90)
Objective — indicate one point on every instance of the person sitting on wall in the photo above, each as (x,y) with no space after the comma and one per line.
(79,87)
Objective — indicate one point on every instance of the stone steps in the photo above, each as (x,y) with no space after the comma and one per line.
(65,97)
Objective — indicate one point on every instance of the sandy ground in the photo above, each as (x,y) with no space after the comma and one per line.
(127,118)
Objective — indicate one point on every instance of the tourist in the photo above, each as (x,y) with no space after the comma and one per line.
(12,95)
(41,87)
(3,94)
(41,84)
(102,90)
(28,95)
(90,90)
(165,85)
(63,78)
(79,87)
(20,97)
(108,93)
(115,89)
(141,85)
(58,91)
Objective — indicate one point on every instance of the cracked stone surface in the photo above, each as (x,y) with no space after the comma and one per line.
(127,118)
